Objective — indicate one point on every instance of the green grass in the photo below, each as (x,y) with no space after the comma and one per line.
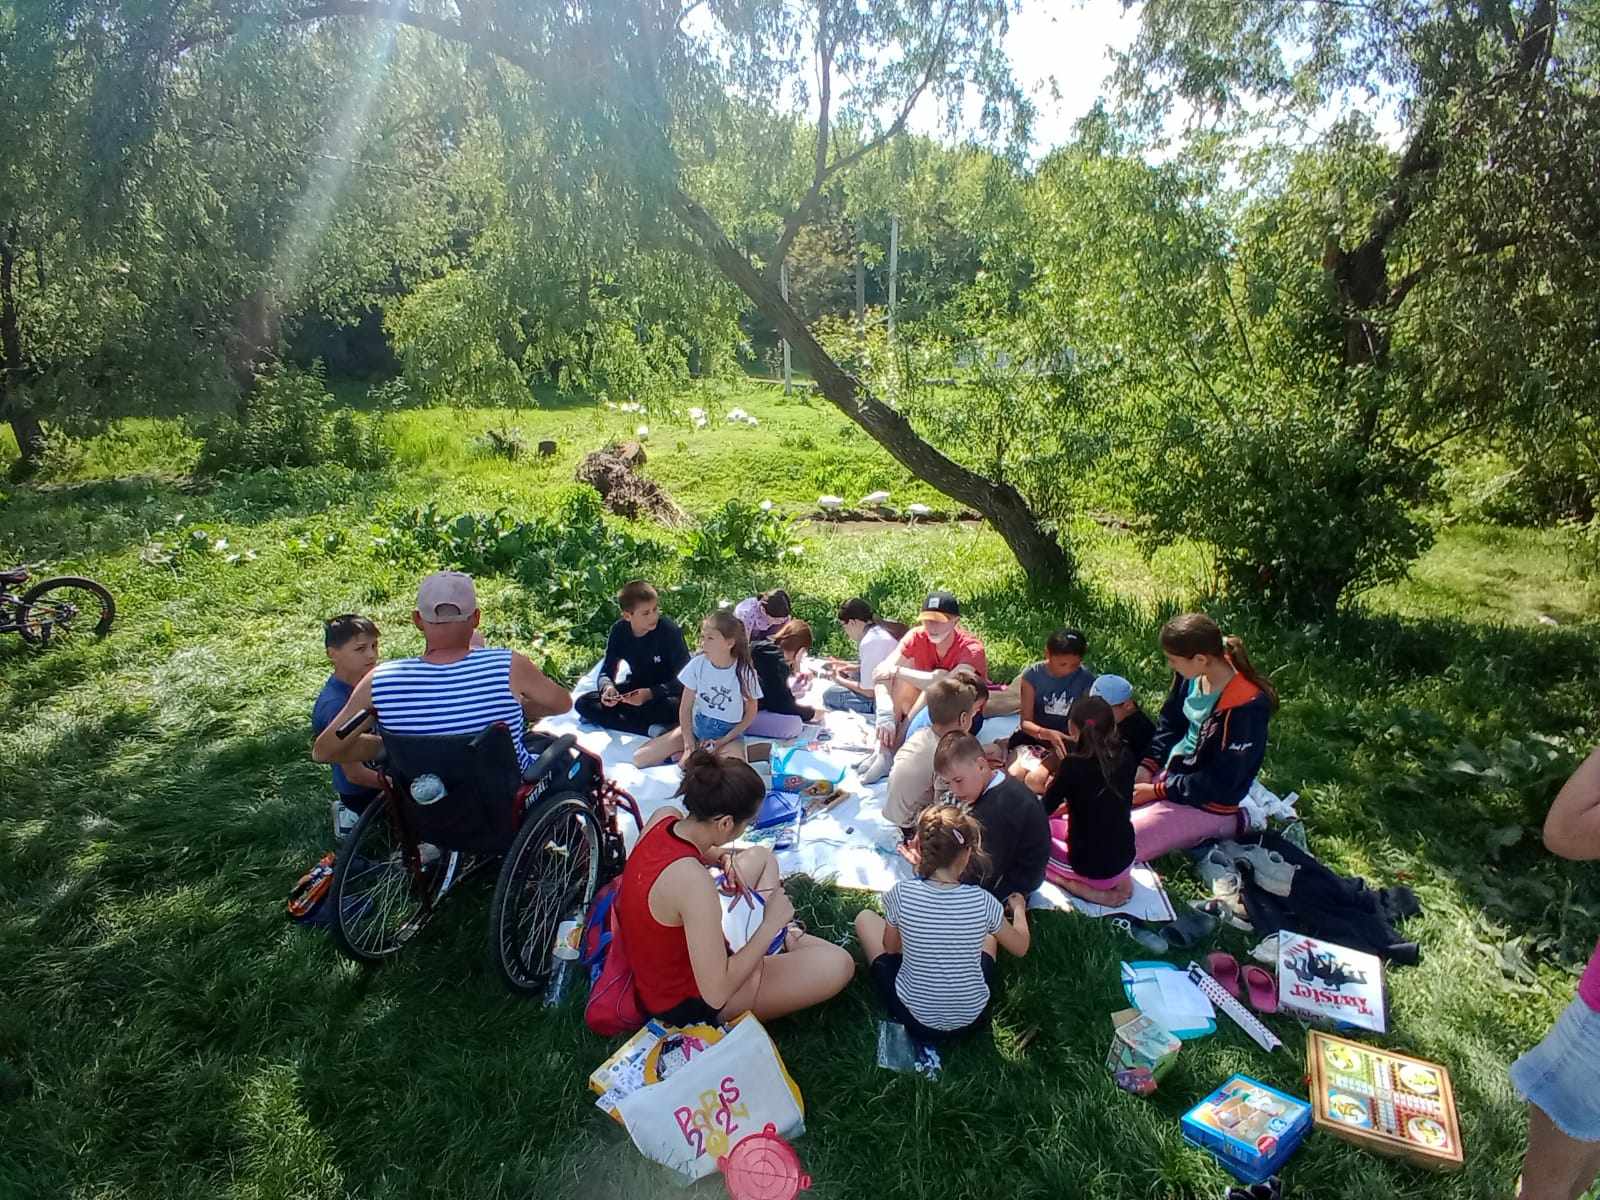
(165,1033)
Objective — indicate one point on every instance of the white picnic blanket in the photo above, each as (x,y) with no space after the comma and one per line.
(852,845)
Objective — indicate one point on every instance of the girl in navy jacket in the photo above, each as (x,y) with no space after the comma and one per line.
(1209,742)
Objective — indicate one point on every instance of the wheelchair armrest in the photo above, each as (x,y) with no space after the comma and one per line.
(540,767)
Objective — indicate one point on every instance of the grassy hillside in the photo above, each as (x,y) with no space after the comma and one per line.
(164,1033)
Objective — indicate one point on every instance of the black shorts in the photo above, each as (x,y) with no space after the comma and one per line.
(693,1011)
(884,970)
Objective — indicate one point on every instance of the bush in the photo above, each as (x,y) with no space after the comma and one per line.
(507,442)
(285,423)
(737,532)
(1299,508)
(571,562)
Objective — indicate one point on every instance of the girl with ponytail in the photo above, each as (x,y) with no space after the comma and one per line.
(669,912)
(1091,829)
(1209,743)
(720,694)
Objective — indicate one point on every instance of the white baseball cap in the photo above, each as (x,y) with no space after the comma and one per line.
(446,597)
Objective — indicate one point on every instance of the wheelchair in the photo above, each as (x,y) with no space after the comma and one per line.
(553,829)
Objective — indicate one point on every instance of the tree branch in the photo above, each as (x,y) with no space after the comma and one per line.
(824,170)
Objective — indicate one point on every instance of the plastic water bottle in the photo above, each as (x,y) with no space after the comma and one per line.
(561,973)
(563,962)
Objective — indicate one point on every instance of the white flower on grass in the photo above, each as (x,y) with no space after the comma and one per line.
(766,506)
(220,545)
(642,432)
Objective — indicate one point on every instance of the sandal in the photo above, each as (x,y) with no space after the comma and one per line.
(1262,989)
(1148,938)
(1223,911)
(1191,927)
(1224,968)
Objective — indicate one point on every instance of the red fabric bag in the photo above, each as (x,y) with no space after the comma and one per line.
(613,1008)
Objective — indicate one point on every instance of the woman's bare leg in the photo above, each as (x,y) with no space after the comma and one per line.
(813,971)
(658,749)
(1557,1167)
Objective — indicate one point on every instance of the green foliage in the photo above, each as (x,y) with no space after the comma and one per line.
(285,423)
(571,563)
(1299,509)
(738,532)
(506,441)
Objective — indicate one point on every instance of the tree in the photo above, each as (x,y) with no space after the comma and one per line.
(633,94)
(1460,270)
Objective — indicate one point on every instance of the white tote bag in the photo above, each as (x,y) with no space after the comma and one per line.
(722,1094)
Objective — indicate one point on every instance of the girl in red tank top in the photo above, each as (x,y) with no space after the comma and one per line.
(669,914)
(658,953)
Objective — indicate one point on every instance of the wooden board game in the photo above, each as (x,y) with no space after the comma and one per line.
(1386,1102)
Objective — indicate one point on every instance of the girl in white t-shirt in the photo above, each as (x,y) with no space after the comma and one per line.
(852,690)
(720,690)
(933,960)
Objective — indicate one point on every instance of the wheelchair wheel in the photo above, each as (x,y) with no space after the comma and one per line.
(379,902)
(549,875)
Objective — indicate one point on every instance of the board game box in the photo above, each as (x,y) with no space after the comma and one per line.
(1137,1042)
(1323,982)
(1252,1129)
(1384,1101)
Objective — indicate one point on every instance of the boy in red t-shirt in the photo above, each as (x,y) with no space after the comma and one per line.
(933,648)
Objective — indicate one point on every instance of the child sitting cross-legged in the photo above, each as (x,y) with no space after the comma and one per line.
(933,959)
(720,691)
(653,647)
(1091,799)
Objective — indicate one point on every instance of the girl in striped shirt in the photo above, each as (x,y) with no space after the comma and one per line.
(933,959)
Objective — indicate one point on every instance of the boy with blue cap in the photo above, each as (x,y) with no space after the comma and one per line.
(1133,724)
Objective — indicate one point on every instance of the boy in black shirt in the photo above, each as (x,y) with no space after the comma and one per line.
(654,649)
(1133,724)
(1016,833)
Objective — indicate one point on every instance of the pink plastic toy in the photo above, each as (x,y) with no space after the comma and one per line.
(763,1167)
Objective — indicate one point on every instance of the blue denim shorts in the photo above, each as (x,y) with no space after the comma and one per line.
(1561,1075)
(709,729)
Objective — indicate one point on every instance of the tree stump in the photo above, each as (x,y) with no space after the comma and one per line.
(631,453)
(625,493)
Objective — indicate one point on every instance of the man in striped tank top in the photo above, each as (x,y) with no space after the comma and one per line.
(453,688)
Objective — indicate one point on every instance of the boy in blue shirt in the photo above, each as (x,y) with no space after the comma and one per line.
(352,645)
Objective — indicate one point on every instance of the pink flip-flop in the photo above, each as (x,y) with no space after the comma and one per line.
(1262,987)
(1224,968)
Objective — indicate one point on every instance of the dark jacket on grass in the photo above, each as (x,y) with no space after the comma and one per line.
(1226,756)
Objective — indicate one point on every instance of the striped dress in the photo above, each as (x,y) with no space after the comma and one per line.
(413,696)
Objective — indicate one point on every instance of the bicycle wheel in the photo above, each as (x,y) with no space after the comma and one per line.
(380,902)
(66,606)
(549,875)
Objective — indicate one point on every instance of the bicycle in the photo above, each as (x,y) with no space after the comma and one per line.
(56,609)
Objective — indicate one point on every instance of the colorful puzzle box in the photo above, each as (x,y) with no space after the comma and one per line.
(1386,1102)
(1251,1128)
(1138,1043)
(1320,981)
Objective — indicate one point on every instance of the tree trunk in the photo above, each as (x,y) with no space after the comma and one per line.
(30,434)
(1037,550)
